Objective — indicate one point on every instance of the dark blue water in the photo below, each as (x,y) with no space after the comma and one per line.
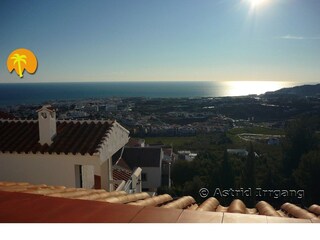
(28,93)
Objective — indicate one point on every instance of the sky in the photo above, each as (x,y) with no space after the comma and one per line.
(163,40)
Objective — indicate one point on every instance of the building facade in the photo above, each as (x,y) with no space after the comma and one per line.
(57,152)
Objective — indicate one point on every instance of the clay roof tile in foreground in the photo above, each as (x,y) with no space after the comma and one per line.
(237,206)
(315,209)
(180,203)
(266,209)
(296,211)
(210,204)
(24,202)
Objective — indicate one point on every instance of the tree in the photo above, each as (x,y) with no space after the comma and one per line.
(307,176)
(270,175)
(226,177)
(248,176)
(300,139)
(182,171)
(227,174)
(192,188)
(189,177)
(207,167)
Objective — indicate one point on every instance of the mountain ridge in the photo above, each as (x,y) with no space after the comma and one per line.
(302,90)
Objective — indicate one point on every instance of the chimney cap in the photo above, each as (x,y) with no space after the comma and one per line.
(47,107)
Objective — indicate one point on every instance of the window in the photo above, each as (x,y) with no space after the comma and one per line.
(78,172)
(143,177)
(44,115)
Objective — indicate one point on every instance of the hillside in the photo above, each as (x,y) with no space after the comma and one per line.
(304,90)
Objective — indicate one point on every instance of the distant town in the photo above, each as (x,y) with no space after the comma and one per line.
(152,117)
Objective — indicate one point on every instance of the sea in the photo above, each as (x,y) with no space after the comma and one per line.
(37,93)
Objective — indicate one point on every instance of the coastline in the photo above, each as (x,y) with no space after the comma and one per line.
(35,93)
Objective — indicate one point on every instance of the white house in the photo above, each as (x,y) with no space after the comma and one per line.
(150,160)
(57,152)
(187,155)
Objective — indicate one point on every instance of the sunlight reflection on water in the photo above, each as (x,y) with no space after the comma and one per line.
(240,88)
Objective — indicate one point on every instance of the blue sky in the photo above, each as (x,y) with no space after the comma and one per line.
(164,40)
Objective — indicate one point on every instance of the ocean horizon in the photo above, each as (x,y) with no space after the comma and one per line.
(37,93)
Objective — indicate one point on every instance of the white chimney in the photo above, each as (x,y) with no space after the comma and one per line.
(47,124)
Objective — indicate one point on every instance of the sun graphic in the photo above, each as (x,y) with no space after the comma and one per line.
(22,59)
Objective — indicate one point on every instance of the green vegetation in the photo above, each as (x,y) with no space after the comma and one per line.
(176,142)
(248,177)
(214,142)
(307,175)
(292,165)
(256,130)
(217,143)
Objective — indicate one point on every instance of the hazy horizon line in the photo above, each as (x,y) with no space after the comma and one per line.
(162,81)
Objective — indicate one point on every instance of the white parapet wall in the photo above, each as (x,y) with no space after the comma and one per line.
(50,169)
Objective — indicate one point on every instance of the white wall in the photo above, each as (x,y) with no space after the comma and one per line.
(117,138)
(153,177)
(87,176)
(46,169)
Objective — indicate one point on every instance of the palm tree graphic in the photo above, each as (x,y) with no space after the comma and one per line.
(18,59)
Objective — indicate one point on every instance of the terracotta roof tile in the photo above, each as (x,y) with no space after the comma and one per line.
(102,197)
(121,174)
(156,215)
(193,207)
(265,208)
(315,220)
(36,208)
(72,137)
(221,208)
(24,202)
(315,209)
(128,198)
(243,218)
(188,216)
(296,211)
(180,203)
(281,213)
(237,206)
(286,220)
(210,204)
(154,201)
(4,115)
(117,174)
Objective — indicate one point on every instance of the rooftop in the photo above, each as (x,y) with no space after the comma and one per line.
(140,156)
(4,115)
(121,174)
(24,202)
(73,137)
